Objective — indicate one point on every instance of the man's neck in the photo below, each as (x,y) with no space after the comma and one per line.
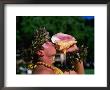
(47,60)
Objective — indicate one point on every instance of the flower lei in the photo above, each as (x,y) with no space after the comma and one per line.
(54,69)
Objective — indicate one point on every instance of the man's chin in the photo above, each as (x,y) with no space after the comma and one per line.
(53,62)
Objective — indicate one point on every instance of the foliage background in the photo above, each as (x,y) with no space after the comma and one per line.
(81,27)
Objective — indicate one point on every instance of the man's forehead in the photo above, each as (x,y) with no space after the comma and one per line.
(45,45)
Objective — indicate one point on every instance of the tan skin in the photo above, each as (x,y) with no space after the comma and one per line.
(47,55)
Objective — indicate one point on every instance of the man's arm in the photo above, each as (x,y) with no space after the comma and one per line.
(79,67)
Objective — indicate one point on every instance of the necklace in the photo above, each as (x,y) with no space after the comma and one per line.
(54,69)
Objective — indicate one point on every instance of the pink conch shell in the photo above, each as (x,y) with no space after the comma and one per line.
(64,41)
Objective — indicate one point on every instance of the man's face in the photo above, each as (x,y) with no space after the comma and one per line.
(49,50)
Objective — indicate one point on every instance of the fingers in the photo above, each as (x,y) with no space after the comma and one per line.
(73,48)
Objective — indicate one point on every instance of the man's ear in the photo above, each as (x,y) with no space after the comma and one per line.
(40,53)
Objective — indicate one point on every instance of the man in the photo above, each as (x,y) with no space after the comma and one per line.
(45,50)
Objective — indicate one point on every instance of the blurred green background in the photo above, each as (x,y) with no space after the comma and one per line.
(81,27)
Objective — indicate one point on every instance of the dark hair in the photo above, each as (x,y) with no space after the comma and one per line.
(40,36)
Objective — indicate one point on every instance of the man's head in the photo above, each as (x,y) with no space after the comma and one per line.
(47,53)
(43,47)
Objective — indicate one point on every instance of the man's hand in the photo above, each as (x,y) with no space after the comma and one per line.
(73,48)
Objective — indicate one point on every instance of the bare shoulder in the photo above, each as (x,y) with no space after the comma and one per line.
(42,70)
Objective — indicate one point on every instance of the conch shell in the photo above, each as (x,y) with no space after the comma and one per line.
(63,41)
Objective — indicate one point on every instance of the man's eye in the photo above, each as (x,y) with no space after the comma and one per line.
(47,42)
(50,43)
